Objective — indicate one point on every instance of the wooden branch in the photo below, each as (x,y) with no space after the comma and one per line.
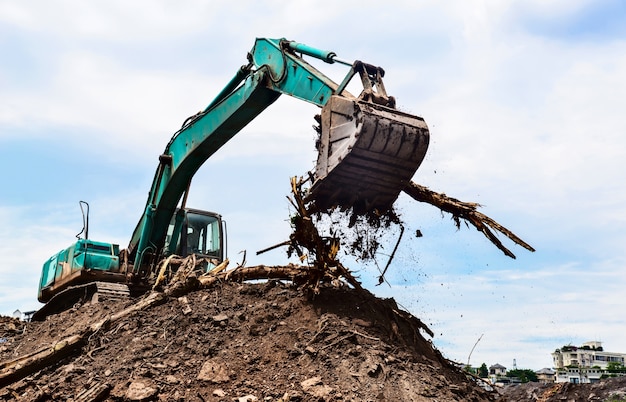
(19,368)
(468,212)
(281,244)
(306,235)
(291,272)
(381,278)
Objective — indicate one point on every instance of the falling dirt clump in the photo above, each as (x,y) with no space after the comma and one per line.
(361,235)
(235,342)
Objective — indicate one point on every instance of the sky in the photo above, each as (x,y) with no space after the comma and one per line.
(524,101)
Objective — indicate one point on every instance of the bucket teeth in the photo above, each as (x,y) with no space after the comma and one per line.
(367,154)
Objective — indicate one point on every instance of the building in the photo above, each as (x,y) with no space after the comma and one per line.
(585,364)
(579,375)
(545,375)
(497,370)
(497,374)
(590,354)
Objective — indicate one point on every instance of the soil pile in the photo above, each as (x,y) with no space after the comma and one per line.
(608,390)
(241,342)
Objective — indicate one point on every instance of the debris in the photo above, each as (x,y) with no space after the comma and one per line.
(22,366)
(344,331)
(140,391)
(214,371)
(186,307)
(316,388)
(189,357)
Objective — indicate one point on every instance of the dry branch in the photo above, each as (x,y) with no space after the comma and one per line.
(466,211)
(19,368)
(293,273)
(323,251)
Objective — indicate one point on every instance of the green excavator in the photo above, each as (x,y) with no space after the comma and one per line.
(368,152)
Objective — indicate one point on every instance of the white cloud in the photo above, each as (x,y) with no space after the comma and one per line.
(113,20)
(24,246)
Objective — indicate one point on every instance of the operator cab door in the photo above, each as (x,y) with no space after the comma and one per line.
(200,233)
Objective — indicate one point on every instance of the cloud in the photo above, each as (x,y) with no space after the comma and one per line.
(591,21)
(24,246)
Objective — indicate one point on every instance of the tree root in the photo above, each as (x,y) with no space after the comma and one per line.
(466,211)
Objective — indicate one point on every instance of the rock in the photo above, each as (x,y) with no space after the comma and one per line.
(219,393)
(140,391)
(314,387)
(255,330)
(214,371)
(292,397)
(310,382)
(220,318)
(247,398)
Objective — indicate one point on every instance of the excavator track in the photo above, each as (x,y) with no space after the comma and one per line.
(110,291)
(93,292)
(367,154)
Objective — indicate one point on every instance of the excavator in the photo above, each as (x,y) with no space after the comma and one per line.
(367,153)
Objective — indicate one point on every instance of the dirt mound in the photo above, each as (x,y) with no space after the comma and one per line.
(608,390)
(241,342)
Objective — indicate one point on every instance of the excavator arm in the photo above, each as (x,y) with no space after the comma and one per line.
(276,67)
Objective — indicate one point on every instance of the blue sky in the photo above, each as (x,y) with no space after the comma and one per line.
(524,101)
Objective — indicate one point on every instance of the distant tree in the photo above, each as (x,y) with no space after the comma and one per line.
(524,375)
(483,371)
(613,367)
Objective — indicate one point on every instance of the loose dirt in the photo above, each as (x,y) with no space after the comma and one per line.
(265,341)
(608,390)
(242,342)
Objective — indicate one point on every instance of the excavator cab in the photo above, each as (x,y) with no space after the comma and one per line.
(194,231)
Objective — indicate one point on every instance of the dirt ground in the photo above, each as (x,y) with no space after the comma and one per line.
(609,390)
(242,342)
(257,342)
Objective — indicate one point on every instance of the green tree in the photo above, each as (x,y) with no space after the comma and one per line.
(613,367)
(483,371)
(525,375)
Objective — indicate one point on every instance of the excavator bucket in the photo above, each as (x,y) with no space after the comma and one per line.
(367,154)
